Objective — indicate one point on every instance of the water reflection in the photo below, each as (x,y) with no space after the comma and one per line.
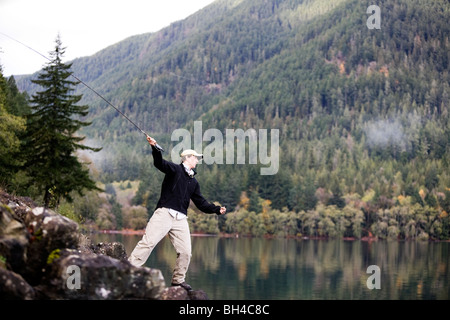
(254,268)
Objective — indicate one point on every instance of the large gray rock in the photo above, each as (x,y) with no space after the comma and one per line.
(44,256)
(49,231)
(75,275)
(112,249)
(14,287)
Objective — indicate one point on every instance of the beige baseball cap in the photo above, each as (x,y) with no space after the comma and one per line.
(190,152)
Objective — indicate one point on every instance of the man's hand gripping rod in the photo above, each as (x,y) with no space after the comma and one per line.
(154,143)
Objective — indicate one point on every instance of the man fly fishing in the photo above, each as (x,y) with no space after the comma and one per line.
(178,188)
(170,217)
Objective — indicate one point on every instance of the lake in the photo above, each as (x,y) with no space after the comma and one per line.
(299,269)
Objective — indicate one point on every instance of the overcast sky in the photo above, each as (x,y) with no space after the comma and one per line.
(85,26)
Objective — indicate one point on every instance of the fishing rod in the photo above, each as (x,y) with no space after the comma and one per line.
(157,146)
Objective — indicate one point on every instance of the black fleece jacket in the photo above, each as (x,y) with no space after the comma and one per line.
(178,187)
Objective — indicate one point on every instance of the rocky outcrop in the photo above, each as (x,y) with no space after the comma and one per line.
(44,256)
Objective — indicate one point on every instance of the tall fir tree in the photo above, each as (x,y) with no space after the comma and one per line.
(51,140)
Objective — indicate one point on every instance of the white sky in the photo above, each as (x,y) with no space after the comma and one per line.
(85,26)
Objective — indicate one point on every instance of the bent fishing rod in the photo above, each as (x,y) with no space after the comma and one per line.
(157,146)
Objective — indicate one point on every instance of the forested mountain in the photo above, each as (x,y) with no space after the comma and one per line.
(363,113)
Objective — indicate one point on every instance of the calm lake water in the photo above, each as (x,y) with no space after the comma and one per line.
(287,269)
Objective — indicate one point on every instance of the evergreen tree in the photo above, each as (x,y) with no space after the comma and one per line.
(16,102)
(255,202)
(51,142)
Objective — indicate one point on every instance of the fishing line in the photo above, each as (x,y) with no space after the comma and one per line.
(157,146)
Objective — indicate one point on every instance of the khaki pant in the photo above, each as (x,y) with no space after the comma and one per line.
(161,224)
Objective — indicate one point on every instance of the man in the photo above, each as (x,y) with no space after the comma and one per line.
(178,188)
